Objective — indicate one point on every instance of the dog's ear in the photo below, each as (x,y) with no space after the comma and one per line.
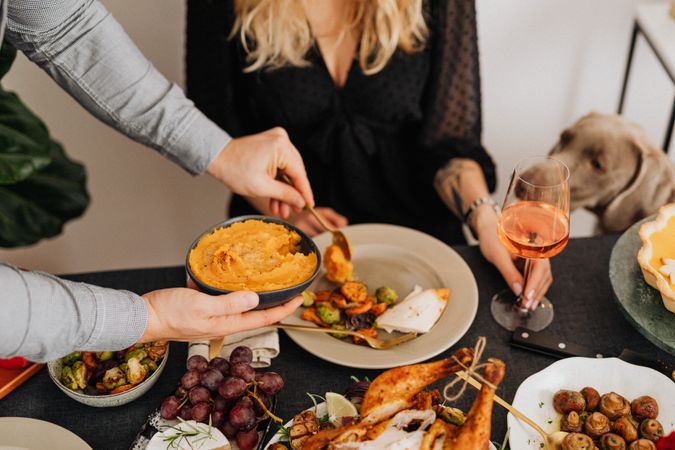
(649,189)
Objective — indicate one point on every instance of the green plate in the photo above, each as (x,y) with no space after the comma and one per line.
(641,304)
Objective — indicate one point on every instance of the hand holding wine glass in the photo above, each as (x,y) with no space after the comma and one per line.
(534,224)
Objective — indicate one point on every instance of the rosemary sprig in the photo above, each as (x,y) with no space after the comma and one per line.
(174,440)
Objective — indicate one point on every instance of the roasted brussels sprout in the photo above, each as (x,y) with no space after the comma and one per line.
(113,378)
(67,378)
(626,427)
(104,356)
(596,425)
(565,401)
(339,327)
(571,423)
(386,295)
(577,441)
(644,407)
(328,313)
(614,406)
(611,441)
(156,350)
(80,374)
(70,359)
(139,354)
(642,444)
(149,364)
(308,298)
(135,372)
(592,398)
(651,429)
(453,415)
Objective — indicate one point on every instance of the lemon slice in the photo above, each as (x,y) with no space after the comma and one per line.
(338,407)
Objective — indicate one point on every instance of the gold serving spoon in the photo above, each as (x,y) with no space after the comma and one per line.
(339,239)
(552,441)
(372,341)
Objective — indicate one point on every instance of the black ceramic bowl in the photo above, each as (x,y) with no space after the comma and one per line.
(268,299)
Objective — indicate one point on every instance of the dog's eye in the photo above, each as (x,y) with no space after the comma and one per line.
(596,164)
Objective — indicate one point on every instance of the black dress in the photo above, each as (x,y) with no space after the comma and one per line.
(371,147)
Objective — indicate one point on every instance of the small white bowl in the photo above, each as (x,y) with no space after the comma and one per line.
(104,401)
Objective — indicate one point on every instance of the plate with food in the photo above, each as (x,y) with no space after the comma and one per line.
(221,404)
(395,412)
(22,433)
(607,402)
(398,281)
(105,379)
(640,274)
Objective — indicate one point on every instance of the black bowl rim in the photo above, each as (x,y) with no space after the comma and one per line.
(268,219)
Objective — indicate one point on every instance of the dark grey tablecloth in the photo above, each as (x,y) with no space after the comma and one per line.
(585,313)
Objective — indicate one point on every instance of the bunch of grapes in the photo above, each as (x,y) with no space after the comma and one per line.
(228,394)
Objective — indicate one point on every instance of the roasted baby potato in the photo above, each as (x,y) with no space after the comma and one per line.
(565,401)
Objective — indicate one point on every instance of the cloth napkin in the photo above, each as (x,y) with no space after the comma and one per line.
(263,342)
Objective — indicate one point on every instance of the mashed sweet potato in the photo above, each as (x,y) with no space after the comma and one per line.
(338,268)
(251,255)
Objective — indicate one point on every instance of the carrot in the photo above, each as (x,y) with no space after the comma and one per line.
(322,296)
(89,360)
(371,332)
(359,309)
(338,300)
(310,314)
(122,388)
(354,291)
(378,309)
(100,388)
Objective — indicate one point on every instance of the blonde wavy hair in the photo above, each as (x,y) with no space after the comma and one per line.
(276,33)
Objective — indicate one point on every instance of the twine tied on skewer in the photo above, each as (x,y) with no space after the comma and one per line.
(470,371)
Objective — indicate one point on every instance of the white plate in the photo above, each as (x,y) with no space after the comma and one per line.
(534,397)
(320,412)
(389,255)
(32,434)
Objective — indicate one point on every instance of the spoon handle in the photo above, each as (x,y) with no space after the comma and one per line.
(311,209)
(463,375)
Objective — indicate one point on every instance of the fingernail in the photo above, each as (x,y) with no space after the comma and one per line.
(250,299)
(535,305)
(530,298)
(517,288)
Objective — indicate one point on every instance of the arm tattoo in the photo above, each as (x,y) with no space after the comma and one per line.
(448,184)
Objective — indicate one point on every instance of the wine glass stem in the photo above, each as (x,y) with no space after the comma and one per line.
(520,302)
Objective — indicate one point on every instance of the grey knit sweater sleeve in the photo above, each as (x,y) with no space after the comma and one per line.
(43,317)
(81,46)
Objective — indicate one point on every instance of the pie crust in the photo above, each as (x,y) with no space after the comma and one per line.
(648,232)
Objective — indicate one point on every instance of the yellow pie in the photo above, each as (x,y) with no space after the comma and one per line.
(657,254)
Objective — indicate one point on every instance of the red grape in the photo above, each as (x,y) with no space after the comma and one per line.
(242,370)
(169,408)
(201,411)
(232,388)
(217,418)
(221,364)
(247,440)
(245,401)
(242,417)
(228,430)
(241,354)
(190,379)
(211,378)
(185,412)
(199,394)
(197,362)
(271,383)
(220,404)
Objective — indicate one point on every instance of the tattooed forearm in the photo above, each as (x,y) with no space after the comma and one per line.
(459,183)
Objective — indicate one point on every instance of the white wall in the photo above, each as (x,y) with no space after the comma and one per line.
(543,65)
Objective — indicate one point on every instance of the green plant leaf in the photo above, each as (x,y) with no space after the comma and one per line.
(7,55)
(38,207)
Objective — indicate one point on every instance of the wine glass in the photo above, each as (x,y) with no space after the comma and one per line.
(534,224)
